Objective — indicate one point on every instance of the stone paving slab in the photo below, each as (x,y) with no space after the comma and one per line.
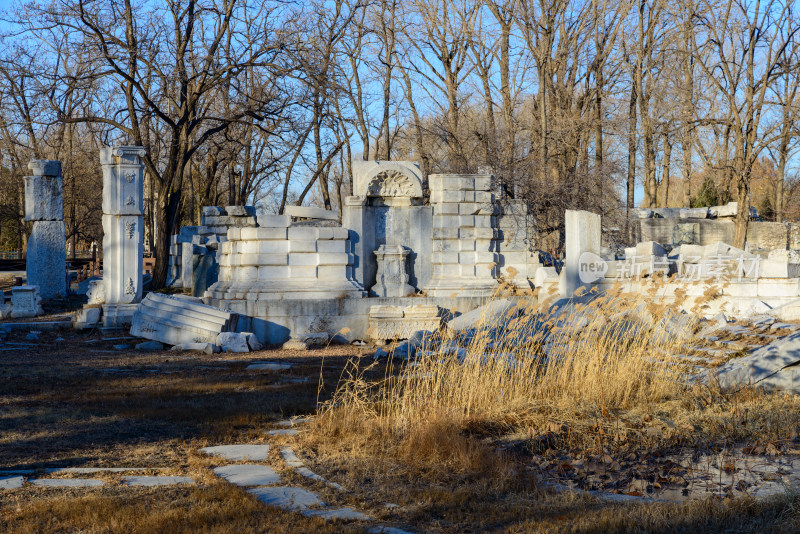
(308,473)
(290,457)
(294,421)
(66,482)
(155,480)
(90,470)
(11,482)
(287,497)
(342,514)
(248,474)
(253,452)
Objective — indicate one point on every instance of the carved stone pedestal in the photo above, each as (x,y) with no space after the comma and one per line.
(392,277)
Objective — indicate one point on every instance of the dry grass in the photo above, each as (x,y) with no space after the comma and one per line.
(596,379)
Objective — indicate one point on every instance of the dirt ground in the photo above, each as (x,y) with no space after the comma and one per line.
(72,400)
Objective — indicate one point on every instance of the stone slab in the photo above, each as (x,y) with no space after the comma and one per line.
(252,452)
(150,481)
(176,321)
(248,474)
(308,473)
(290,457)
(92,470)
(306,212)
(287,497)
(14,482)
(233,342)
(66,482)
(761,365)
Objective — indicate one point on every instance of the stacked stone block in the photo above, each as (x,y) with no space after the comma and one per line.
(123,232)
(465,258)
(518,261)
(280,261)
(47,246)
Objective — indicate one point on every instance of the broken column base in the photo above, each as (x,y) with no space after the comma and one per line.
(118,315)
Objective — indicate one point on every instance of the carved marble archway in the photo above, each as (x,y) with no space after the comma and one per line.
(387,179)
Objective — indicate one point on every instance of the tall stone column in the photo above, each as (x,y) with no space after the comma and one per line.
(123,235)
(47,246)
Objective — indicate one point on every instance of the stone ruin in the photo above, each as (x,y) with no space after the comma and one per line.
(401,259)
(397,254)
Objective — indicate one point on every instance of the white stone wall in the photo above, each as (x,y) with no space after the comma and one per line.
(282,261)
(465,259)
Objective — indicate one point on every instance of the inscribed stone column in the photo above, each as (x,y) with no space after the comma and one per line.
(123,235)
(582,232)
(46,255)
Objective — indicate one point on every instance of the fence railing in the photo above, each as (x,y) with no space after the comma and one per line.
(18,255)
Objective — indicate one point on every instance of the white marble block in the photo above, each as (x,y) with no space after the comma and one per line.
(25,302)
(175,320)
(582,234)
(392,277)
(46,258)
(402,322)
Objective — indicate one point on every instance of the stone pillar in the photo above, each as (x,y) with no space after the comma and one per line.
(46,256)
(465,259)
(123,232)
(392,275)
(582,231)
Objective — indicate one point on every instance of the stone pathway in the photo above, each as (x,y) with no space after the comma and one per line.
(20,477)
(263,482)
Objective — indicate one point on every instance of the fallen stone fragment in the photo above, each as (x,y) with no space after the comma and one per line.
(252,341)
(287,497)
(248,474)
(294,344)
(233,342)
(342,514)
(174,320)
(32,337)
(771,366)
(11,482)
(66,482)
(87,318)
(155,480)
(314,339)
(123,346)
(254,452)
(150,345)
(492,315)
